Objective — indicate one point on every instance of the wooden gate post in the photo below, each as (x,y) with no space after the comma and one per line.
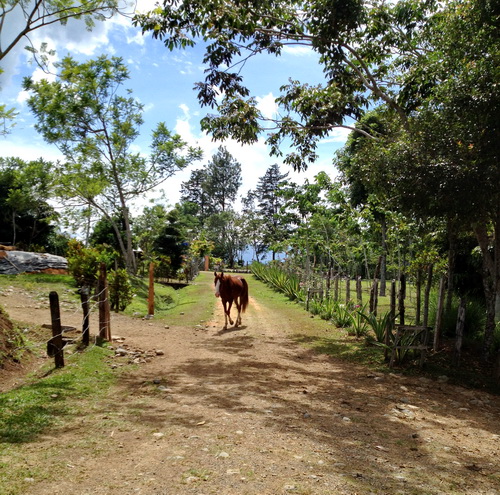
(56,342)
(359,289)
(392,312)
(402,296)
(104,316)
(84,297)
(151,293)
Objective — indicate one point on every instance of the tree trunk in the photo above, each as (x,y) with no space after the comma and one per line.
(418,303)
(427,295)
(383,258)
(459,333)
(14,227)
(439,314)
(491,279)
(402,296)
(451,265)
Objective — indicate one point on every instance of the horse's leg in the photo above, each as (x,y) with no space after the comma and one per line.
(230,302)
(225,314)
(238,307)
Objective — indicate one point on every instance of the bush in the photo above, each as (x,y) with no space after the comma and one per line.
(120,289)
(83,263)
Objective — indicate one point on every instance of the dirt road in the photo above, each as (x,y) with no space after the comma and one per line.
(248,411)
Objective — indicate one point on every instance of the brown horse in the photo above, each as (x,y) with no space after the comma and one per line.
(231,289)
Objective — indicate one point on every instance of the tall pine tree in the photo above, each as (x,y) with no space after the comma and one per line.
(269,203)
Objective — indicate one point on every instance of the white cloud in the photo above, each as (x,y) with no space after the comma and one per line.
(298,50)
(267,106)
(337,135)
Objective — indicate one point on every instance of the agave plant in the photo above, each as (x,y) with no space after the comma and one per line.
(380,325)
(359,325)
(342,315)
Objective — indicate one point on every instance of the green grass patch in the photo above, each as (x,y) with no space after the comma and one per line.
(29,410)
(187,306)
(38,281)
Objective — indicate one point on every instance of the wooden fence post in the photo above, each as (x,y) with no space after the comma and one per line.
(388,330)
(359,290)
(347,290)
(418,303)
(84,297)
(151,293)
(336,287)
(56,342)
(104,315)
(427,294)
(402,296)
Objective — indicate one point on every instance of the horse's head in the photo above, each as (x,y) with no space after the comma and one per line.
(218,277)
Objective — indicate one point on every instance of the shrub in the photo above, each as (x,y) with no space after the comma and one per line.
(120,289)
(83,263)
(380,325)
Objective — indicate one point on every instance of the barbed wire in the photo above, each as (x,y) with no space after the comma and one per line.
(93,300)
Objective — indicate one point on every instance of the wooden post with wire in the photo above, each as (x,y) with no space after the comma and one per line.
(104,314)
(84,297)
(151,293)
(55,344)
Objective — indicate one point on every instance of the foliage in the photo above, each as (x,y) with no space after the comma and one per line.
(342,317)
(475,316)
(40,14)
(26,218)
(83,263)
(359,325)
(418,79)
(281,281)
(120,289)
(380,325)
(275,228)
(214,187)
(83,114)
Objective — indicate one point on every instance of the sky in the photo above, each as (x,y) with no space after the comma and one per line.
(162,81)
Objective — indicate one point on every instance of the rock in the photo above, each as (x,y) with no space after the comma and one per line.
(159,352)
(14,262)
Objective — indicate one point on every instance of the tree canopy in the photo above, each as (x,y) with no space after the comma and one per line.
(84,115)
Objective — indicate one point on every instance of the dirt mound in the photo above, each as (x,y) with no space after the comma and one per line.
(6,333)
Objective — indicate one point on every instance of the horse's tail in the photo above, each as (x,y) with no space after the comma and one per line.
(244,295)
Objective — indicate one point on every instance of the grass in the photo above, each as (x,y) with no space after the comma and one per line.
(188,306)
(26,411)
(47,403)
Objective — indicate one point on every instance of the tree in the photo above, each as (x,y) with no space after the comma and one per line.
(269,204)
(223,179)
(38,14)
(225,230)
(362,48)
(253,225)
(193,191)
(94,127)
(431,64)
(172,243)
(26,219)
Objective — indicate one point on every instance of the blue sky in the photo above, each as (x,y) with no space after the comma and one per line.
(163,81)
